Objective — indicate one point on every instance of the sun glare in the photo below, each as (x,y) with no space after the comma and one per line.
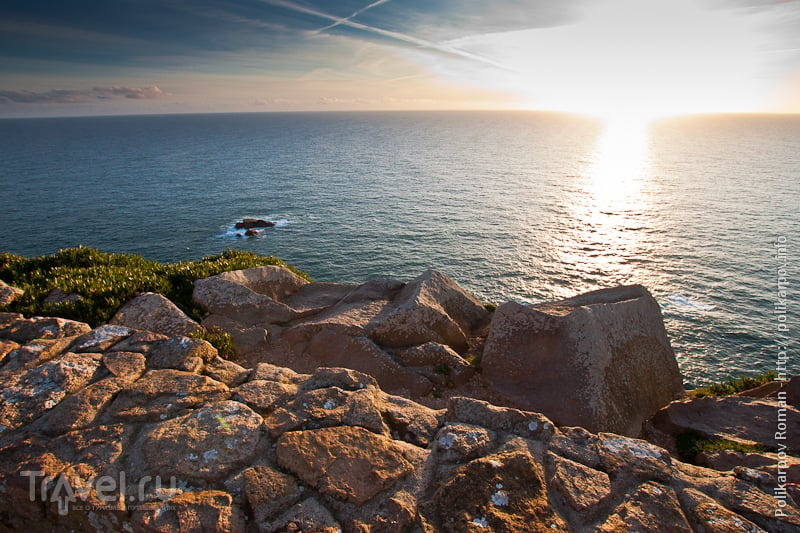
(626,59)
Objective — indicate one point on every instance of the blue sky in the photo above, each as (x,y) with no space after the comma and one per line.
(601,56)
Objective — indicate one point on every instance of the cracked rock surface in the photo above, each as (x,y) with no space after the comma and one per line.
(111,430)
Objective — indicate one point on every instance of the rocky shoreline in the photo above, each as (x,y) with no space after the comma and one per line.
(384,406)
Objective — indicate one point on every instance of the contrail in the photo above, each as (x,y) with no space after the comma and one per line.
(410,39)
(352,16)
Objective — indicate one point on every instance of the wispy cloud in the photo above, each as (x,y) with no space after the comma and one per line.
(352,16)
(71,96)
(397,36)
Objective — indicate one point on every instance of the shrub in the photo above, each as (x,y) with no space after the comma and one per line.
(106,281)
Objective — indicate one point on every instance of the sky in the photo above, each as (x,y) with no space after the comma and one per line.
(602,57)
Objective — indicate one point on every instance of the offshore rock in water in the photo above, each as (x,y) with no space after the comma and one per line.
(601,360)
(250,223)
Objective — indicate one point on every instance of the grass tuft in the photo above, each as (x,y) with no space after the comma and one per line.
(690,443)
(218,338)
(106,281)
(734,386)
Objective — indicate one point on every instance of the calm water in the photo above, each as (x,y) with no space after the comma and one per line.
(525,206)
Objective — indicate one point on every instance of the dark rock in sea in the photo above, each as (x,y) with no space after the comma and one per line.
(251,233)
(250,223)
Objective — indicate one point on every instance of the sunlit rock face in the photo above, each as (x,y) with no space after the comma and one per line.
(601,360)
(412,337)
(124,435)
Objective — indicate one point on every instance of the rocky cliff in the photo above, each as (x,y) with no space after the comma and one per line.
(123,429)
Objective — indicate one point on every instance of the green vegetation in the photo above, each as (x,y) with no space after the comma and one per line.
(733,386)
(690,443)
(106,281)
(219,339)
(443,369)
(490,307)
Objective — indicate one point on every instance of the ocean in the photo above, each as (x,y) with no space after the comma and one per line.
(524,206)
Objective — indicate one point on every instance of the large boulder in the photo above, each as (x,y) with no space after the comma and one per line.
(431,308)
(601,360)
(153,312)
(249,296)
(273,281)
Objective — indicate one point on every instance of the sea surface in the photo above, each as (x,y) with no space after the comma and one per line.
(526,206)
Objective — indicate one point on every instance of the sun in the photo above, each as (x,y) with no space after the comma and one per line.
(625,59)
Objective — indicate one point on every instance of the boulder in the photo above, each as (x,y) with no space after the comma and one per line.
(182,353)
(502,492)
(8,293)
(432,307)
(463,442)
(439,363)
(308,515)
(153,312)
(26,330)
(581,487)
(162,394)
(348,463)
(249,223)
(27,395)
(410,421)
(126,365)
(269,491)
(712,517)
(601,360)
(59,297)
(769,463)
(195,512)
(650,504)
(226,371)
(330,348)
(736,418)
(249,296)
(205,444)
(100,339)
(274,281)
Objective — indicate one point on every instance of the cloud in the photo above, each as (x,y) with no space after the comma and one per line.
(70,96)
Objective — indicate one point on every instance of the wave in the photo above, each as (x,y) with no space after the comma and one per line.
(685,303)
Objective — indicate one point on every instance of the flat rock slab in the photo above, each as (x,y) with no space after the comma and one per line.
(205,444)
(348,463)
(736,418)
(27,395)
